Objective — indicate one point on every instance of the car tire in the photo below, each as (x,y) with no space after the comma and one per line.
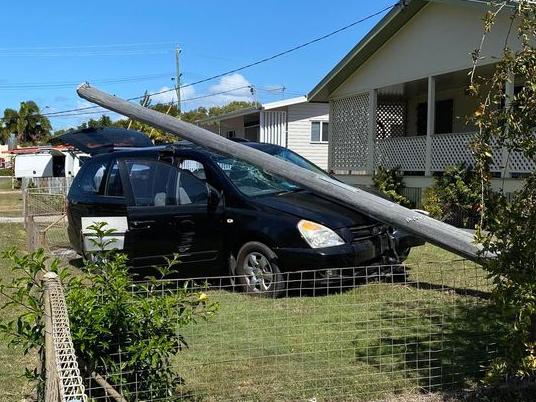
(258,271)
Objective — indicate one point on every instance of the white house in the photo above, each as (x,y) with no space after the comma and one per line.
(380,94)
(293,123)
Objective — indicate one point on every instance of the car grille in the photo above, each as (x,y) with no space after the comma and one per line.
(365,232)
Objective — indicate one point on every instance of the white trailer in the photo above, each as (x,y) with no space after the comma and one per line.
(34,165)
(49,163)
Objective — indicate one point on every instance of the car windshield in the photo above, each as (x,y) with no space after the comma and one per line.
(293,157)
(252,180)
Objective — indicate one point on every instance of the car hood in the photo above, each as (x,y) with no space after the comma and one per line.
(307,205)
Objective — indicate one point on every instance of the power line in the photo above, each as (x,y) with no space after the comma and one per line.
(66,84)
(264,60)
(114,45)
(91,50)
(172,102)
(285,52)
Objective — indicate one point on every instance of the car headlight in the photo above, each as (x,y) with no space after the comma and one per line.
(317,235)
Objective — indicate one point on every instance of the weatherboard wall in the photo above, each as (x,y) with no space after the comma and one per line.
(299,120)
(437,40)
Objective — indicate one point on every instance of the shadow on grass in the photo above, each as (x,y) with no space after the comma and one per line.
(437,346)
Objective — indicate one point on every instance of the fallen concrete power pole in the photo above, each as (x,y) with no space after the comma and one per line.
(429,229)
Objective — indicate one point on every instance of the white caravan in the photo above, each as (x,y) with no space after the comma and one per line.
(49,162)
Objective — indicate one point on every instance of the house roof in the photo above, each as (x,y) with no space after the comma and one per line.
(395,19)
(252,110)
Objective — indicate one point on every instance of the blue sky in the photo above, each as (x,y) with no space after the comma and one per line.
(47,47)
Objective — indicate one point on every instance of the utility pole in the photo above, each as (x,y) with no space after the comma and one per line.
(178,76)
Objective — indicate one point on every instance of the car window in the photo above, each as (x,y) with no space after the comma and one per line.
(114,187)
(89,180)
(292,157)
(159,184)
(252,180)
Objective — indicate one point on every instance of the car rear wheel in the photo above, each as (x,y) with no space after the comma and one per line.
(257,270)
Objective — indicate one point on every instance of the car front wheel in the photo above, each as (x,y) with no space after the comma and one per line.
(258,271)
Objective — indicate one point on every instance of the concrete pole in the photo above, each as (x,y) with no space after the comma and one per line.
(430,125)
(436,232)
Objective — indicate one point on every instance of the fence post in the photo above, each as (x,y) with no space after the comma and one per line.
(51,375)
(63,382)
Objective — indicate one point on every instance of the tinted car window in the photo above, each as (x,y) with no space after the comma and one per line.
(252,180)
(114,188)
(89,180)
(159,184)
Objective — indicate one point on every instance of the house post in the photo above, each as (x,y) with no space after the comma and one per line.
(430,125)
(261,126)
(509,92)
(372,123)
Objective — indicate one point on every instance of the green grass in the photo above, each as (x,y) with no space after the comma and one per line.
(12,385)
(11,203)
(372,341)
(5,184)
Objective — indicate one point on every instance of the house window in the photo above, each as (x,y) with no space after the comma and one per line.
(319,131)
(444,115)
(231,134)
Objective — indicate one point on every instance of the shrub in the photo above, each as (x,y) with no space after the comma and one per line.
(508,121)
(455,196)
(390,183)
(130,331)
(6,172)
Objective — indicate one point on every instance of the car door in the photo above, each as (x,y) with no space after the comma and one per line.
(169,213)
(97,194)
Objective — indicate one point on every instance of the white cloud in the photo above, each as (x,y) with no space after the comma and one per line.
(169,94)
(236,88)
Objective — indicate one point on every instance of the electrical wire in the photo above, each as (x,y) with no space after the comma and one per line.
(103,111)
(261,61)
(65,84)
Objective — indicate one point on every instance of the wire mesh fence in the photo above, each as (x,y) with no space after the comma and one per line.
(364,333)
(45,219)
(63,382)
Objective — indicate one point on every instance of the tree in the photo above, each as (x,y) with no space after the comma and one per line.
(9,124)
(508,120)
(28,123)
(159,136)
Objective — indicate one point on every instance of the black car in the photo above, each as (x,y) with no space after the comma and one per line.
(217,212)
(403,241)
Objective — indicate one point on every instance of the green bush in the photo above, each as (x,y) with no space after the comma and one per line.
(128,332)
(390,183)
(455,196)
(6,172)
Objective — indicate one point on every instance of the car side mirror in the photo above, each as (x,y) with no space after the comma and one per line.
(213,197)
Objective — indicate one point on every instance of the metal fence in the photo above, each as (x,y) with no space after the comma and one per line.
(63,382)
(365,333)
(44,219)
(47,184)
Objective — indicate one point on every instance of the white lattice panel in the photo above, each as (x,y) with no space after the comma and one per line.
(348,133)
(407,153)
(520,164)
(453,149)
(391,119)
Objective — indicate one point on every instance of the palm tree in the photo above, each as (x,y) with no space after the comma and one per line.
(32,126)
(9,124)
(28,123)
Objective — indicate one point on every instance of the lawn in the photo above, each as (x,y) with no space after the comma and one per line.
(12,385)
(5,184)
(11,203)
(371,341)
(375,340)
